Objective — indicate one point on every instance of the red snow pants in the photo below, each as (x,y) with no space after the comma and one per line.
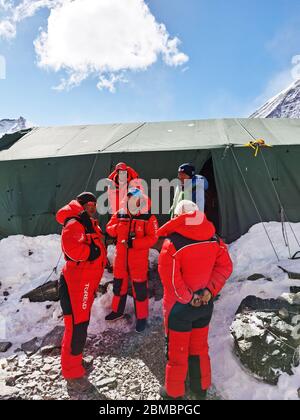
(140,296)
(78,286)
(187,349)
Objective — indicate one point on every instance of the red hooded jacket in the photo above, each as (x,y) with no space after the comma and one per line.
(144,227)
(76,242)
(117,196)
(192,258)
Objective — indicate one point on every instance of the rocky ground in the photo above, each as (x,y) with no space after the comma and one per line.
(125,367)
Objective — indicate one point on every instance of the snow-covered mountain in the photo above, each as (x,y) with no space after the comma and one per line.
(8,126)
(284,105)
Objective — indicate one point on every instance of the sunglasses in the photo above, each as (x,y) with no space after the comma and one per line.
(91,204)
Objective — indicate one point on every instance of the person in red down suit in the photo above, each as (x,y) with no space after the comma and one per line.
(120,180)
(194,265)
(85,255)
(135,230)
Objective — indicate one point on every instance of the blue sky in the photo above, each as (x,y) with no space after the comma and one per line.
(239,51)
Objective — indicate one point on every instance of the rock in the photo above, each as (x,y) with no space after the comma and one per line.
(11,358)
(46,368)
(23,361)
(46,292)
(5,293)
(263,337)
(4,346)
(155,285)
(255,277)
(107,382)
(31,384)
(253,303)
(53,339)
(296,299)
(294,289)
(135,388)
(6,391)
(32,346)
(298,393)
(3,363)
(10,381)
(54,376)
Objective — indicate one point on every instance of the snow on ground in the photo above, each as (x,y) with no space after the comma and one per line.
(27,262)
(251,254)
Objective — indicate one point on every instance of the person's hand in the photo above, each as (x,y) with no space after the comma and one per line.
(206,297)
(196,302)
(202,298)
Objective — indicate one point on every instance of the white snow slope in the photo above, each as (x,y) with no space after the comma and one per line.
(11,126)
(284,105)
(22,270)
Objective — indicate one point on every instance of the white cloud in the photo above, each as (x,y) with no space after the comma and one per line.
(16,11)
(103,38)
(5,5)
(7,29)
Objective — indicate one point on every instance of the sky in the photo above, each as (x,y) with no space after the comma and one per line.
(105,61)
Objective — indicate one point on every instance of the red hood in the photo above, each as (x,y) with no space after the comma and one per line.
(131,174)
(70,210)
(200,231)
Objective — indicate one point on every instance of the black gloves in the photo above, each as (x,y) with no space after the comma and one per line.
(94,252)
(86,221)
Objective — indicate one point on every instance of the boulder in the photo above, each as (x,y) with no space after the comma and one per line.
(53,339)
(255,277)
(266,339)
(32,346)
(44,293)
(4,346)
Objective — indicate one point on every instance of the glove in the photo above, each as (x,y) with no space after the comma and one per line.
(94,252)
(86,221)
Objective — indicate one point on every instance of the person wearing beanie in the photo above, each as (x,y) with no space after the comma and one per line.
(85,259)
(119,181)
(191,187)
(135,231)
(194,265)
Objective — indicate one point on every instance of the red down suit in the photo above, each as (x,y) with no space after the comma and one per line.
(117,194)
(85,257)
(192,259)
(132,262)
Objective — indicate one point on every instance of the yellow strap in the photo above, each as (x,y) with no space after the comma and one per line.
(255,145)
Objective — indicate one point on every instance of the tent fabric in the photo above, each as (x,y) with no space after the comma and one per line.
(146,137)
(47,167)
(236,208)
(31,191)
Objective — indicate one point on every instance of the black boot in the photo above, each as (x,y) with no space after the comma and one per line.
(141,325)
(114,316)
(88,365)
(165,396)
(79,385)
(199,395)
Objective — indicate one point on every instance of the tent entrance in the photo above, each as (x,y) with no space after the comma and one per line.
(211,196)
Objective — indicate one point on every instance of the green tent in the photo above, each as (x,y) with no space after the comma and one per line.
(45,168)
